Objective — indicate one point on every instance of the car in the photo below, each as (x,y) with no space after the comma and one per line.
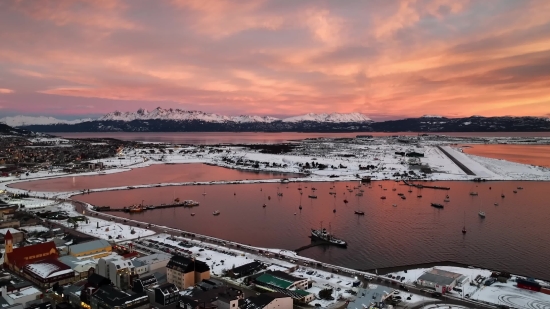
(437,294)
(404,288)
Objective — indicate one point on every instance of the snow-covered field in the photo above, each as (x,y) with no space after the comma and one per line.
(498,293)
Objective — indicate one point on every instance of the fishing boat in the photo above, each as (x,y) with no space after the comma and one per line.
(216,213)
(360,212)
(473,193)
(464,227)
(192,214)
(312,196)
(496,204)
(345,201)
(515,191)
(446,200)
(436,205)
(419,195)
(383,197)
(204,193)
(520,188)
(394,205)
(264,205)
(322,234)
(403,197)
(359,194)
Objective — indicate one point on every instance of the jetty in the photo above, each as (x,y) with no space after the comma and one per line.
(142,208)
(424,186)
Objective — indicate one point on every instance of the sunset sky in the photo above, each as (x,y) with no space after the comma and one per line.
(384,58)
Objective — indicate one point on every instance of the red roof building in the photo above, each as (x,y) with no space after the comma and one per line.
(19,257)
(48,271)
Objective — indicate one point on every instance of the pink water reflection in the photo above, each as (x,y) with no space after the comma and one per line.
(147,175)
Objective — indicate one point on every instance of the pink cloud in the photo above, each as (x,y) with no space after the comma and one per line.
(401,58)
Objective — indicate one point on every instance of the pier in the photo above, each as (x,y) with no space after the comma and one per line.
(142,208)
(315,243)
(425,187)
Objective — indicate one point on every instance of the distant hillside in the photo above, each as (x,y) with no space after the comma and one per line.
(422,124)
(7,130)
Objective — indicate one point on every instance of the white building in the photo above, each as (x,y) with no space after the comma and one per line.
(121,272)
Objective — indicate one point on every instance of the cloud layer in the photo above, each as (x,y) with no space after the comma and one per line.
(387,59)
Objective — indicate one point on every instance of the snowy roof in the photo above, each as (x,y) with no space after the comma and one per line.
(90,245)
(48,268)
(24,292)
(12,230)
(154,258)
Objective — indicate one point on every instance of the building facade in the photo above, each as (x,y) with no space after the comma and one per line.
(184,272)
(121,272)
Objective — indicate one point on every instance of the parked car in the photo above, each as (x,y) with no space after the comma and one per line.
(404,288)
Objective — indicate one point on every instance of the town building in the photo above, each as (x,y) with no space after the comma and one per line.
(25,296)
(7,221)
(46,272)
(120,271)
(80,267)
(150,263)
(440,280)
(95,248)
(221,297)
(16,234)
(281,282)
(109,297)
(16,258)
(166,294)
(245,270)
(144,283)
(272,300)
(185,272)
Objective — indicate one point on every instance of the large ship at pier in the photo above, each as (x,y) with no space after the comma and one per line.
(324,235)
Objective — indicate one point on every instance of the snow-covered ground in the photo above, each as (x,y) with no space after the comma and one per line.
(498,293)
(100,228)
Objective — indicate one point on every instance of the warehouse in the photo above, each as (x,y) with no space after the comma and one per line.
(440,280)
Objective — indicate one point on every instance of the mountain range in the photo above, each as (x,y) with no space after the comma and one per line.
(176,120)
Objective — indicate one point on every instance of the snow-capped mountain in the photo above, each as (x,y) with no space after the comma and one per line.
(431,116)
(178,114)
(247,119)
(164,114)
(17,121)
(334,118)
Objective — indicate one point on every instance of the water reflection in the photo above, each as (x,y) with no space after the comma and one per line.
(509,238)
(161,173)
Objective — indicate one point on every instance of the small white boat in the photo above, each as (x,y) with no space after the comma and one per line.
(473,193)
(394,205)
(216,213)
(481,214)
(496,204)
(446,200)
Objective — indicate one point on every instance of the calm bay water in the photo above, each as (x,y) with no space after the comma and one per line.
(512,237)
(526,154)
(260,137)
(161,173)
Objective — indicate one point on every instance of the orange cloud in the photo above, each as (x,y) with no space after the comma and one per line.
(5,91)
(386,59)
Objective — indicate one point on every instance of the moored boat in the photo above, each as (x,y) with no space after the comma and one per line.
(322,234)
(436,205)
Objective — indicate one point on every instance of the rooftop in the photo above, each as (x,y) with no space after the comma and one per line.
(274,281)
(154,258)
(48,268)
(260,301)
(89,246)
